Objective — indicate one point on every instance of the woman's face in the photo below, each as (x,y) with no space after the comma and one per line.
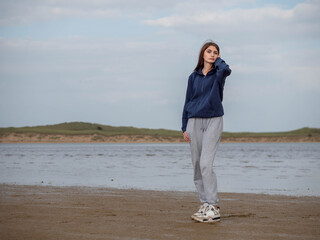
(211,54)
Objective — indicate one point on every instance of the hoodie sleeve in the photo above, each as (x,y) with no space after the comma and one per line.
(185,112)
(223,71)
(222,66)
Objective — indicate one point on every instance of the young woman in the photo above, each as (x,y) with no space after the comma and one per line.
(202,126)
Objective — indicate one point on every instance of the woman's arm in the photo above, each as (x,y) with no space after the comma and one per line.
(185,112)
(222,66)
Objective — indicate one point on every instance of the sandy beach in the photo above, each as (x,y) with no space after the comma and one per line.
(46,212)
(95,138)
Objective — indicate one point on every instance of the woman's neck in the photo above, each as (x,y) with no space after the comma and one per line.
(206,68)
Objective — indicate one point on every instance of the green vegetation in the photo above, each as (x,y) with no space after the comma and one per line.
(82,128)
(307,132)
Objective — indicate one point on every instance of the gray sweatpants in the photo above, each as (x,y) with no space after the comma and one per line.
(205,135)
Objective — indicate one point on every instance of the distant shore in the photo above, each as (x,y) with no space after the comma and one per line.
(82,132)
(47,212)
(96,138)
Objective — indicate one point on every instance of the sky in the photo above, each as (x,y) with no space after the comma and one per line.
(126,62)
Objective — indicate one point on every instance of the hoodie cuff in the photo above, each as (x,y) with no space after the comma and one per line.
(218,62)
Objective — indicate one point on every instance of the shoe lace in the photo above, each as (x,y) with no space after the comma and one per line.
(212,208)
(216,211)
(202,208)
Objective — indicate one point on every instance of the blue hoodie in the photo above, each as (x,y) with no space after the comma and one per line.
(205,93)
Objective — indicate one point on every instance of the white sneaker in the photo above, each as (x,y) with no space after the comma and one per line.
(200,211)
(210,215)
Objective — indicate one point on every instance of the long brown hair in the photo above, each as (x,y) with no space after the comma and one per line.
(204,47)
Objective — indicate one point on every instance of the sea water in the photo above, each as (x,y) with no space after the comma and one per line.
(272,168)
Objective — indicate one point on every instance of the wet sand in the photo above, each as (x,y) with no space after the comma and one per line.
(96,138)
(46,212)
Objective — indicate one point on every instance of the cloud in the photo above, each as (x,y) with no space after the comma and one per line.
(230,17)
(139,78)
(26,12)
(270,22)
(79,78)
(32,11)
(127,70)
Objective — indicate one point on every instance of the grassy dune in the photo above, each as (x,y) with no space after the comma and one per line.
(309,132)
(82,128)
(105,133)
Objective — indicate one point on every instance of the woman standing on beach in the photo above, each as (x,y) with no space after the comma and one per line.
(202,126)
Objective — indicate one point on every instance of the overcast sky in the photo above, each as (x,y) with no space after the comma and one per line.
(126,62)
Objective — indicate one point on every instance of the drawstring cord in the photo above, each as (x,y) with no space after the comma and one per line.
(203,128)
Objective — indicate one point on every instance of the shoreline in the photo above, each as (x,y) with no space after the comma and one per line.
(90,187)
(96,138)
(48,212)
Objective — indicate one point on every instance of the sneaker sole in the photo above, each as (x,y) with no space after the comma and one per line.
(193,217)
(207,220)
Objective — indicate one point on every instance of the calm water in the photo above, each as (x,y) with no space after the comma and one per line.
(275,168)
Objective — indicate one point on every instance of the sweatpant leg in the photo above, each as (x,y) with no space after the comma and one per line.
(210,141)
(195,132)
